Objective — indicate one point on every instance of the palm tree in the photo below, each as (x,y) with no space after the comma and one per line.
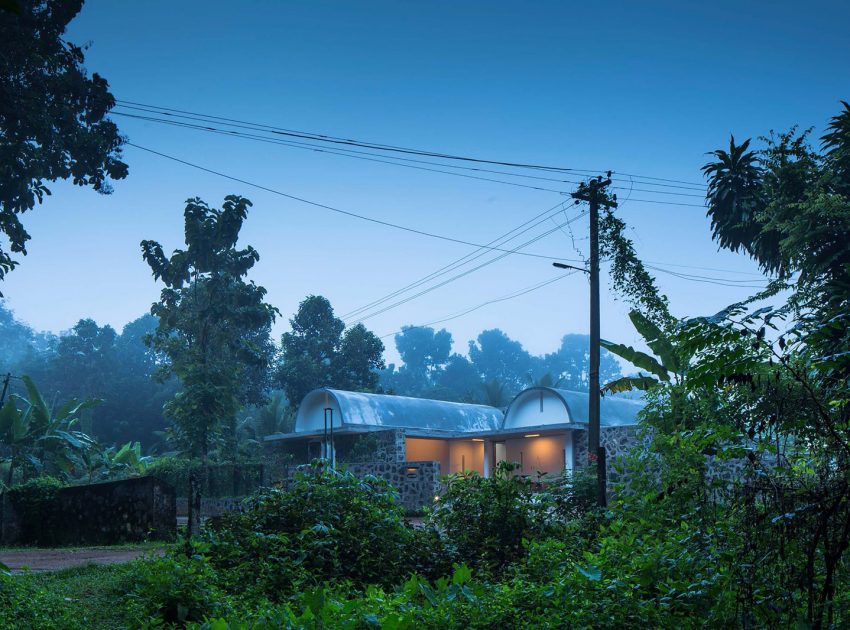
(735,200)
(493,393)
(547,380)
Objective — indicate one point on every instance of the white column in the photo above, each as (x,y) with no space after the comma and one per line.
(488,446)
(568,450)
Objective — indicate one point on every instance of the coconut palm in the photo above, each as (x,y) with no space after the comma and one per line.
(736,199)
(547,380)
(493,393)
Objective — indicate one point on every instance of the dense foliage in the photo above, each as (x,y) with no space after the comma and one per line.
(214,327)
(53,116)
(95,362)
(320,352)
(497,369)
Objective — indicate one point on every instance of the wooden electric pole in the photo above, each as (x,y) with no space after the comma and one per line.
(594,194)
(6,380)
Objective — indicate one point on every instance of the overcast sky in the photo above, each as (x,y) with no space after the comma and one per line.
(643,88)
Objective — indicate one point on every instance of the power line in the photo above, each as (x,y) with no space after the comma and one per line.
(338,210)
(286,143)
(458,276)
(463,260)
(378,146)
(505,298)
(391,160)
(726,282)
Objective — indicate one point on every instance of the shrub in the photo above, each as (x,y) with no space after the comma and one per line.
(35,504)
(175,589)
(24,605)
(173,470)
(363,449)
(486,520)
(328,525)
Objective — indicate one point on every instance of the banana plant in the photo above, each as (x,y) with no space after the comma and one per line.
(130,457)
(668,365)
(40,436)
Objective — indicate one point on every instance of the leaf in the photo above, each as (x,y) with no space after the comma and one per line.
(637,358)
(594,574)
(40,410)
(7,418)
(628,383)
(657,341)
(20,427)
(462,574)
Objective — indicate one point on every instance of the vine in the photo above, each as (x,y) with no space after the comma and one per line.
(630,278)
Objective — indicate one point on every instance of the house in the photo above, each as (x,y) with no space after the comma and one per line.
(411,441)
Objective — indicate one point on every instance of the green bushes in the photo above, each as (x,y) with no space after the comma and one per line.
(486,521)
(329,525)
(175,589)
(35,504)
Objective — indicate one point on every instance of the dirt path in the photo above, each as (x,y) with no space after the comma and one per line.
(55,559)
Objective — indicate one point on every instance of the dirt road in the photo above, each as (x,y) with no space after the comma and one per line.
(55,559)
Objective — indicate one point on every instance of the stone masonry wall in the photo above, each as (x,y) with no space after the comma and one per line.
(129,510)
(618,441)
(416,482)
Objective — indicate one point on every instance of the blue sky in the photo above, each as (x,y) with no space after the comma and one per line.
(642,88)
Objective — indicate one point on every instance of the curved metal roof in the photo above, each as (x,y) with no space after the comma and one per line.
(612,412)
(380,410)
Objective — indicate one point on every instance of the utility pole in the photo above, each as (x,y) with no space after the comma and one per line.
(6,380)
(594,194)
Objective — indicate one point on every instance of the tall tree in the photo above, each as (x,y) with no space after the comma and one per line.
(570,364)
(458,381)
(424,352)
(213,325)
(497,356)
(319,352)
(53,123)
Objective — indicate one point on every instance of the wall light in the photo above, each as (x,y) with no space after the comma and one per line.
(532,435)
(477,439)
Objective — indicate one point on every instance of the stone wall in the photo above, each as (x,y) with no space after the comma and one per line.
(416,482)
(618,441)
(129,510)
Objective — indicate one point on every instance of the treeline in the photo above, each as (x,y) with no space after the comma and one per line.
(125,372)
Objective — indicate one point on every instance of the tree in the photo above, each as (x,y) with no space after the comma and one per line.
(493,393)
(213,325)
(423,350)
(319,352)
(39,438)
(570,364)
(497,356)
(459,380)
(53,123)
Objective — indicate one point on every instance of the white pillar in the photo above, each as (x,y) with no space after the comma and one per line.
(568,450)
(488,446)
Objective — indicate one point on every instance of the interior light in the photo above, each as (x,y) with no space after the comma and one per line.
(477,439)
(532,435)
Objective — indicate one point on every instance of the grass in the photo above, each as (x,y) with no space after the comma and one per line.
(82,597)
